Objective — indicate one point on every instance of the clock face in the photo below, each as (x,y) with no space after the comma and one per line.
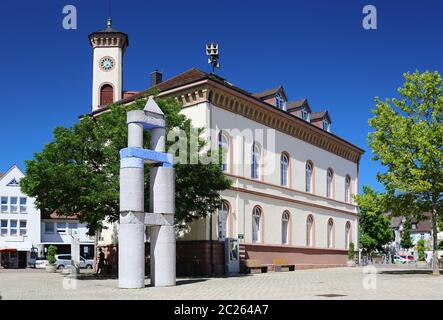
(107,64)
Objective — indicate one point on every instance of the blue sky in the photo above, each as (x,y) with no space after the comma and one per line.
(316,49)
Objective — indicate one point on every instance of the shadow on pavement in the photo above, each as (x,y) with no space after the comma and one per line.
(93,276)
(417,271)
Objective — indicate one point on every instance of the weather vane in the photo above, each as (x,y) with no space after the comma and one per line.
(212,52)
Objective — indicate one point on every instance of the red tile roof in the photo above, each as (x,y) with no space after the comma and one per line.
(56,215)
(194,75)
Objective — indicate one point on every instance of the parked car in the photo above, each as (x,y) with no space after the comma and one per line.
(64,260)
(404,259)
(41,263)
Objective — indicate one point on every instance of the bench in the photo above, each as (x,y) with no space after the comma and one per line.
(255,266)
(282,265)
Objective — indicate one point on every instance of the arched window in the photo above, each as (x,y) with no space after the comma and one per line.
(348,189)
(256,224)
(223,147)
(285,227)
(223,220)
(330,233)
(284,168)
(106,94)
(347,234)
(255,165)
(329,182)
(309,168)
(310,231)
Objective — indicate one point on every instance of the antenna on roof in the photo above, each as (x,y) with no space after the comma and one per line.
(212,52)
(110,14)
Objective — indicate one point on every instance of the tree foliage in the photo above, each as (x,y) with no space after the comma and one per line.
(52,251)
(351,251)
(77,173)
(375,231)
(407,140)
(421,249)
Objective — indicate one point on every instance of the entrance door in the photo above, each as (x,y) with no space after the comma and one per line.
(232,255)
(22,259)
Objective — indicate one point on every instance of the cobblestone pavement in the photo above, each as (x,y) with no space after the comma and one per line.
(337,283)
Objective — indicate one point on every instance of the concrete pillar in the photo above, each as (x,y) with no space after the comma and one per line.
(135,135)
(131,250)
(163,248)
(131,236)
(163,256)
(158,139)
(162,200)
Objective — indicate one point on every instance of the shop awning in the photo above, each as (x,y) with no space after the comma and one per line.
(8,250)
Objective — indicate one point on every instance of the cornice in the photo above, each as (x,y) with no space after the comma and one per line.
(261,112)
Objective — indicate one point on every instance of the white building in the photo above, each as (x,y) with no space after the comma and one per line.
(293,179)
(58,231)
(19,221)
(420,230)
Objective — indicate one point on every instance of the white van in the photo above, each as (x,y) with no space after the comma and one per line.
(65,260)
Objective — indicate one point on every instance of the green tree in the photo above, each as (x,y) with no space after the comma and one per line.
(375,231)
(351,251)
(78,172)
(52,251)
(406,240)
(421,249)
(407,140)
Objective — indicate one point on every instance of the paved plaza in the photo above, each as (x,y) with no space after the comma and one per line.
(339,283)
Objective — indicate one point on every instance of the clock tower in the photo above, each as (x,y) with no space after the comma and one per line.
(109,46)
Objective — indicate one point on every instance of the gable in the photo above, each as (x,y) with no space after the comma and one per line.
(12,177)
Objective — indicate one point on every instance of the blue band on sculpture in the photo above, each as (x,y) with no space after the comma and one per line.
(132,163)
(147,155)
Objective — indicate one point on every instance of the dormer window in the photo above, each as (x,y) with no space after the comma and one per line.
(280,102)
(305,115)
(326,125)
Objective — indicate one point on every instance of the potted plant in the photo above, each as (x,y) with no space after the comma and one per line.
(351,254)
(421,253)
(52,251)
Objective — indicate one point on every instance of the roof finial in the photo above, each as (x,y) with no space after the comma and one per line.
(110,14)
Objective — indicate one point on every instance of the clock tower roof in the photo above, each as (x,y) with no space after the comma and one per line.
(109,37)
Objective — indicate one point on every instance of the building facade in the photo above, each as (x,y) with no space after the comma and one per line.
(293,179)
(420,230)
(58,231)
(19,222)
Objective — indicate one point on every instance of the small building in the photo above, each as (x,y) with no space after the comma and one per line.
(419,230)
(57,230)
(19,222)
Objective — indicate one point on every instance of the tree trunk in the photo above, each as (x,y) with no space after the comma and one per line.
(435,260)
(95,250)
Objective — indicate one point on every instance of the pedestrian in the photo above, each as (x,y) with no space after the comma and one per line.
(101,261)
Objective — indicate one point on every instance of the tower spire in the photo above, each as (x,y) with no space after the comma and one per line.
(110,14)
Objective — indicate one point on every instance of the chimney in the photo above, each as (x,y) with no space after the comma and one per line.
(156,77)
